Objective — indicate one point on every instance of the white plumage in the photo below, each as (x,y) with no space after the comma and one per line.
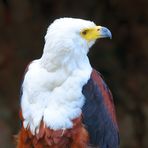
(52,87)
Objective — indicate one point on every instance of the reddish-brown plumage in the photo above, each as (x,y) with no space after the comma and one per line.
(76,137)
(106,94)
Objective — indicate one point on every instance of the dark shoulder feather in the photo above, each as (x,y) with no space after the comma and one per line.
(99,113)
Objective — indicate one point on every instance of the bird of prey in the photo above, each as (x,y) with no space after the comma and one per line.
(65,103)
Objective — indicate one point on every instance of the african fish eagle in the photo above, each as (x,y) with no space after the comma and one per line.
(65,103)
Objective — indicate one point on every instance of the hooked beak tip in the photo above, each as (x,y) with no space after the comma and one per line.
(105,32)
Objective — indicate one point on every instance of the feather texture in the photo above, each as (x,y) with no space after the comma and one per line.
(98,117)
(60,87)
(76,137)
(99,114)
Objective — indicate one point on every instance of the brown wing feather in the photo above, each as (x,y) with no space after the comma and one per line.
(106,93)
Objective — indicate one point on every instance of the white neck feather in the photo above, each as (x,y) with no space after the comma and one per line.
(52,90)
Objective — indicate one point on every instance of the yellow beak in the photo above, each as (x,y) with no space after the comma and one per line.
(96,32)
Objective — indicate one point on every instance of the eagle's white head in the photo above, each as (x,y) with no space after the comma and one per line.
(71,38)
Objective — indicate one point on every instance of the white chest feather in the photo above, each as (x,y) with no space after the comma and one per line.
(53,96)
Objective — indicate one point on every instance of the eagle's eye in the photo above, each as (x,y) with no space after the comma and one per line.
(84,32)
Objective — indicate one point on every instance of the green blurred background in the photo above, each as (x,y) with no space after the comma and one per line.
(123,61)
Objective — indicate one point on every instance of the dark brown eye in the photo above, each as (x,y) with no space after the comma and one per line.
(84,32)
